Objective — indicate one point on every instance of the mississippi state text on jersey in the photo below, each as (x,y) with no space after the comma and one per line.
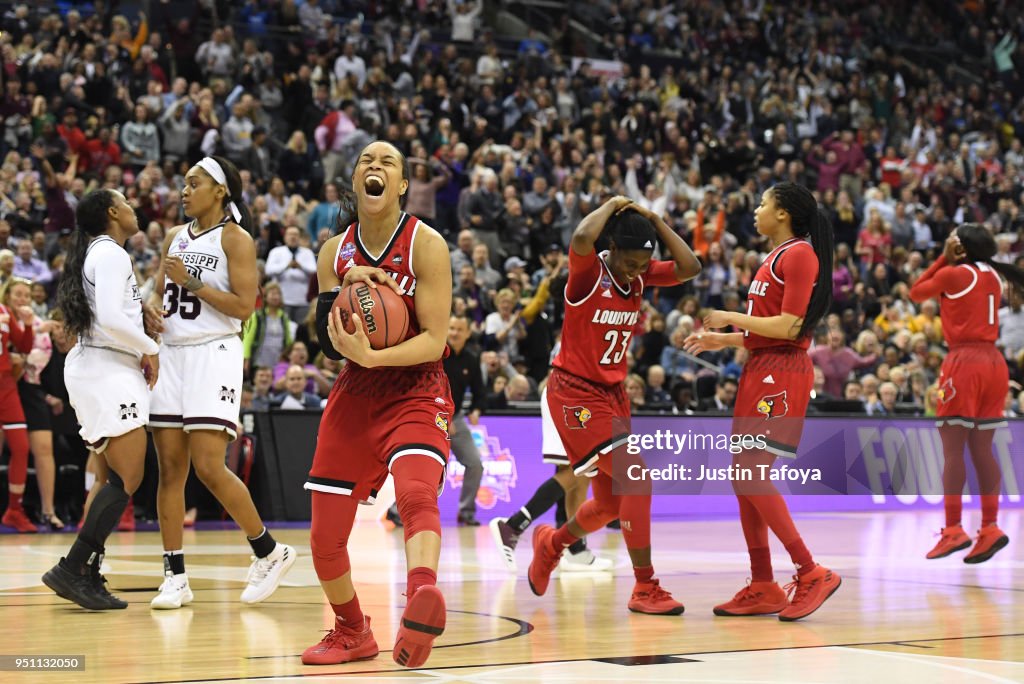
(188,320)
(782,284)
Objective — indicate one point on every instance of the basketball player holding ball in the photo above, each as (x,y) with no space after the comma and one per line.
(388,411)
(973,381)
(206,287)
(790,293)
(585,391)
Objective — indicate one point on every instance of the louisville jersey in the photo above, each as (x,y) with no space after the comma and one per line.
(969,299)
(599,325)
(395,260)
(188,320)
(13,331)
(783,284)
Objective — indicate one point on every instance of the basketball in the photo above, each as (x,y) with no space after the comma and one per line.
(385,315)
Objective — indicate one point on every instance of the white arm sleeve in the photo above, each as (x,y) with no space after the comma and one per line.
(113,268)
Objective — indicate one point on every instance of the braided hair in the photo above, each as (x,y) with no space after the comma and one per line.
(808,220)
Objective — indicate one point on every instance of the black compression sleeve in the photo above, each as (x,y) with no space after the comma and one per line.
(324,302)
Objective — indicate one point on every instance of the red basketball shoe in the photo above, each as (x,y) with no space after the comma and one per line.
(545,559)
(953,539)
(422,621)
(343,644)
(809,592)
(990,540)
(757,598)
(16,518)
(651,599)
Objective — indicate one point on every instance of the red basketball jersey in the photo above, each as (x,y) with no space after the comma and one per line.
(783,284)
(395,260)
(969,297)
(599,327)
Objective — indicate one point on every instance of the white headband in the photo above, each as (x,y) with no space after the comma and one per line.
(210,165)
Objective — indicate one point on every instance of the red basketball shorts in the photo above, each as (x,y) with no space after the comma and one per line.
(772,398)
(374,417)
(973,384)
(592,419)
(11,413)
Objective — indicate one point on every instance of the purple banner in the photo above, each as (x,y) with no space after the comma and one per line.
(854,456)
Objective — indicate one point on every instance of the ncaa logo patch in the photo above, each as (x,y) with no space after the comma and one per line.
(576,417)
(606,282)
(347,251)
(773,405)
(182,245)
(441,421)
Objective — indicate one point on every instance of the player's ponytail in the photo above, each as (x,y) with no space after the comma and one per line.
(979,245)
(234,184)
(91,220)
(808,220)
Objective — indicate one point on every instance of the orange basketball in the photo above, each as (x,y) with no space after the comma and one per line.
(385,315)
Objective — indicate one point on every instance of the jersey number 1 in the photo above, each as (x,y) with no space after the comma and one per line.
(611,354)
(178,300)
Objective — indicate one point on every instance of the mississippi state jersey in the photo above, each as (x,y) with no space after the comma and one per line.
(598,328)
(782,284)
(395,260)
(969,299)
(188,319)
(114,297)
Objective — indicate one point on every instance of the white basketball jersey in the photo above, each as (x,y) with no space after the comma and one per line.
(189,320)
(104,253)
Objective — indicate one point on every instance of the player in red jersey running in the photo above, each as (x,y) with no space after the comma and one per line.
(388,411)
(585,389)
(789,295)
(973,381)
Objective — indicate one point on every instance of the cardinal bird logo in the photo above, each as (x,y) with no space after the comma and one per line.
(946,391)
(441,421)
(773,405)
(576,417)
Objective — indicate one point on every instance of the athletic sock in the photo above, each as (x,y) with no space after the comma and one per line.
(761,565)
(14,501)
(578,546)
(262,545)
(563,538)
(419,577)
(546,496)
(953,504)
(644,574)
(989,509)
(174,562)
(801,556)
(349,614)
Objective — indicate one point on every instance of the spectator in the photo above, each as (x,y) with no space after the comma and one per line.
(295,395)
(723,399)
(837,361)
(463,16)
(268,331)
(292,265)
(636,390)
(517,389)
(28,267)
(140,140)
(262,383)
(298,355)
(503,329)
(656,396)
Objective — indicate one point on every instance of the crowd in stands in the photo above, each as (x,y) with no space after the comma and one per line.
(691,109)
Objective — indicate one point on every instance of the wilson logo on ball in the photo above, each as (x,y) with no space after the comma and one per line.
(366,306)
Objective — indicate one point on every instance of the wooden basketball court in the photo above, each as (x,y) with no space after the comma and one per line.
(896,616)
